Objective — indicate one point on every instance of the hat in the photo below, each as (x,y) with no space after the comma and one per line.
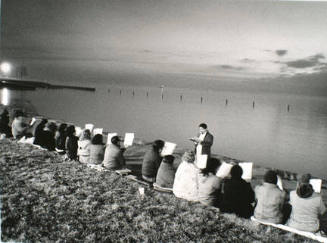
(270,177)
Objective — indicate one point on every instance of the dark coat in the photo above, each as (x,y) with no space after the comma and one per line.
(166,175)
(60,140)
(206,144)
(71,147)
(151,163)
(38,134)
(47,140)
(96,153)
(237,198)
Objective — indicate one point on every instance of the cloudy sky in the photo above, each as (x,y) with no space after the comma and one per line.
(208,42)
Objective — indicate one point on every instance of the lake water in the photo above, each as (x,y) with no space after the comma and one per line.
(269,133)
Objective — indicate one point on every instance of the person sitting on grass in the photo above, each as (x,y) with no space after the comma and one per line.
(209,184)
(96,149)
(84,143)
(47,139)
(307,206)
(71,143)
(4,124)
(271,201)
(113,157)
(151,161)
(39,131)
(166,172)
(19,129)
(61,137)
(238,195)
(185,183)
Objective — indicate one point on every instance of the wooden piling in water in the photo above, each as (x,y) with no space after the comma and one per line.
(226,102)
(201,99)
(119,92)
(288,108)
(181,97)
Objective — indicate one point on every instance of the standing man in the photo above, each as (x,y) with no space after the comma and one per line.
(203,141)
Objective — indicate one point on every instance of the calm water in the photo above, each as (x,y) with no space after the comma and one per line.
(268,134)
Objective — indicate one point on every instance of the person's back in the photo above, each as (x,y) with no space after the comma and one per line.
(84,143)
(38,133)
(306,208)
(4,123)
(166,172)
(113,157)
(185,183)
(18,127)
(151,161)
(238,195)
(96,149)
(71,145)
(48,140)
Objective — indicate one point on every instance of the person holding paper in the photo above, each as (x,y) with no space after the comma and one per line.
(270,200)
(61,137)
(203,141)
(96,150)
(210,184)
(84,144)
(71,143)
(19,129)
(39,131)
(307,206)
(238,195)
(186,178)
(113,156)
(152,160)
(166,172)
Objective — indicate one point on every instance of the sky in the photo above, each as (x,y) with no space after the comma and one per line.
(273,45)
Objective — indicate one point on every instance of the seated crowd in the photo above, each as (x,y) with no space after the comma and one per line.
(300,209)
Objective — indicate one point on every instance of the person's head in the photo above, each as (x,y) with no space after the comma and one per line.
(188,157)
(70,130)
(158,145)
(85,135)
(203,128)
(212,166)
(168,159)
(97,139)
(236,172)
(51,126)
(270,177)
(115,140)
(305,178)
(19,115)
(304,190)
(62,127)
(43,122)
(4,113)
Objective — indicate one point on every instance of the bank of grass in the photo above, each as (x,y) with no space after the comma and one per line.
(47,199)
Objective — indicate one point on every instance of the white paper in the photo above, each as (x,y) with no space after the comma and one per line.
(141,191)
(89,126)
(168,148)
(224,170)
(78,131)
(33,121)
(247,170)
(97,131)
(128,140)
(110,135)
(201,161)
(280,183)
(316,184)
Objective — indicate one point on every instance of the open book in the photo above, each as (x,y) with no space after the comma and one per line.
(224,170)
(247,170)
(316,184)
(78,131)
(97,131)
(32,121)
(168,148)
(128,140)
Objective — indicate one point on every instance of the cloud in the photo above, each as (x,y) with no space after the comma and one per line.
(281,52)
(229,67)
(311,61)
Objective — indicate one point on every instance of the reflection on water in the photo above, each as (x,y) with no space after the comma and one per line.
(283,131)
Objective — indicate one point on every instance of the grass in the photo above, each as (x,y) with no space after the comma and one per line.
(47,199)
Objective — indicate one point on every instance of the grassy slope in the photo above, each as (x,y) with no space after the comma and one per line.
(46,199)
